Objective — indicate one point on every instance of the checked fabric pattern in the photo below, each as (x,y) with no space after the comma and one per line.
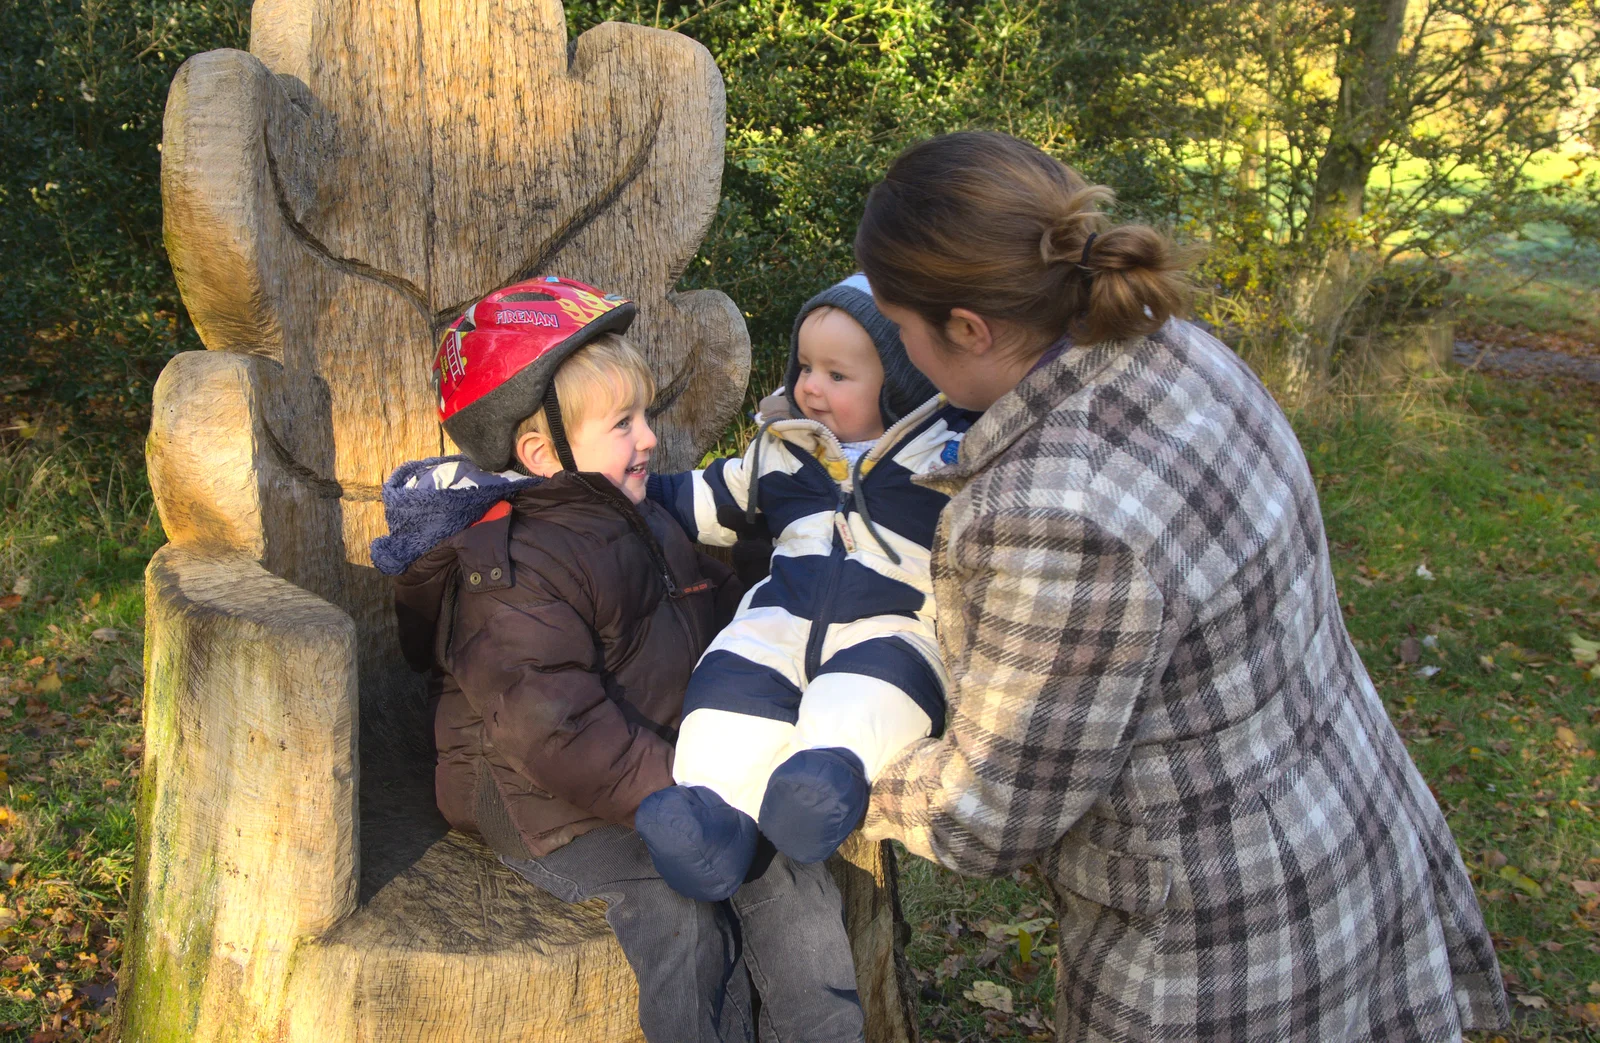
(1153,697)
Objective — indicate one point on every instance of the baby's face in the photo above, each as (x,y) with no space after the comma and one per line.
(840,376)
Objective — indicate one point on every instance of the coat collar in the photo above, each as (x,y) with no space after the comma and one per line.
(1024,406)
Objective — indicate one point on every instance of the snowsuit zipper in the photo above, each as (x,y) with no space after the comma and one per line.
(839,553)
(822,611)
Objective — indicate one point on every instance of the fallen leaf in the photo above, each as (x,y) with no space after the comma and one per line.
(10,601)
(1495,859)
(990,955)
(1530,1000)
(1583,650)
(994,997)
(22,586)
(1424,573)
(1586,887)
(1431,641)
(1487,662)
(1427,671)
(107,634)
(98,995)
(1410,650)
(50,682)
(949,967)
(1520,880)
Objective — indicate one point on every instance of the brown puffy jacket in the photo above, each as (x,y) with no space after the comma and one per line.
(559,638)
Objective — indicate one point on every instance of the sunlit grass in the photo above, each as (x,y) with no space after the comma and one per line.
(74,538)
(1493,490)
(1493,487)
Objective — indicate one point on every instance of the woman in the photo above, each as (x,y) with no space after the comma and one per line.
(1153,696)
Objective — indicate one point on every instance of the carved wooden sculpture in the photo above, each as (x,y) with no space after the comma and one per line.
(333,198)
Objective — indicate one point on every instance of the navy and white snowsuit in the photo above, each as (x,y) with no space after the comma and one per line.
(835,649)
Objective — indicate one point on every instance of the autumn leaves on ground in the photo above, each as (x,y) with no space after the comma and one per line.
(1462,515)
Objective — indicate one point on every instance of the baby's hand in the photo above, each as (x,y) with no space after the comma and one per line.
(776,406)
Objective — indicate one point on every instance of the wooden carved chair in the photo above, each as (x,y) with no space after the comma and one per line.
(333,198)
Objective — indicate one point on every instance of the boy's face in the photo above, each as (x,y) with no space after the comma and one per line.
(616,442)
(840,377)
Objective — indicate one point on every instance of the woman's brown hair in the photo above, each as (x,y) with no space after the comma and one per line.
(983,221)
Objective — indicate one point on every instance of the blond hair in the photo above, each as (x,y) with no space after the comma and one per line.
(604,374)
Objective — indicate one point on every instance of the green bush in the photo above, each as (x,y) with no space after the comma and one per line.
(1208,119)
(87,302)
(823,94)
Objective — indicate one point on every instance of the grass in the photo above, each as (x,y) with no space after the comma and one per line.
(1535,289)
(1493,486)
(73,544)
(1493,490)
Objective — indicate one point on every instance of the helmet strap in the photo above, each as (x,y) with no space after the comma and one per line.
(558,434)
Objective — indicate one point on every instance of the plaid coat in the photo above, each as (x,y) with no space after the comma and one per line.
(1153,697)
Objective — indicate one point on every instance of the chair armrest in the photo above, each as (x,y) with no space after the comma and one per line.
(248,794)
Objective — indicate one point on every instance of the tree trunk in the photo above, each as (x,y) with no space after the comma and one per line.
(332,199)
(1332,278)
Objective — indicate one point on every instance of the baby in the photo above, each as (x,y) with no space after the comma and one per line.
(830,667)
(558,619)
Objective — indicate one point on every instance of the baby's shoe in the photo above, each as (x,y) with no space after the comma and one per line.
(813,801)
(701,845)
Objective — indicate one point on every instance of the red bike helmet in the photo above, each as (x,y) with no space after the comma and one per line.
(495,364)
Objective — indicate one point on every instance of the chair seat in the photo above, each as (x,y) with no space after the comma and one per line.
(449,944)
(427,887)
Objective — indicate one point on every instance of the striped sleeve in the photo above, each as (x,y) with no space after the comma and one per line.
(1055,638)
(709,504)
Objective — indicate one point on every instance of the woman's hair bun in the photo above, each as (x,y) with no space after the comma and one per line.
(984,221)
(1076,219)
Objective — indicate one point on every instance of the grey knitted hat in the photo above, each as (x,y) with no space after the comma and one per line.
(904,386)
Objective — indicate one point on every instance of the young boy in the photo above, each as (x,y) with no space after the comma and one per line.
(831,666)
(560,614)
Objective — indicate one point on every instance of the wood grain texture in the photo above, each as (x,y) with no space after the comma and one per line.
(247,799)
(332,198)
(866,874)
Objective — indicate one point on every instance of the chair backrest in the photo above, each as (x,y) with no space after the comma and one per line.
(334,197)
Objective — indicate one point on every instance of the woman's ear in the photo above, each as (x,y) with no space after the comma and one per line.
(969,331)
(536,455)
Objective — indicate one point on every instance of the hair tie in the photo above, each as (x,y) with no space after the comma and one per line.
(1083,262)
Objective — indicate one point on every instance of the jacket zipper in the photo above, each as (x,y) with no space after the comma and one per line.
(636,522)
(839,552)
(823,611)
(675,594)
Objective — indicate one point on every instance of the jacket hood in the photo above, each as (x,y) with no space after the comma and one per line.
(904,386)
(427,501)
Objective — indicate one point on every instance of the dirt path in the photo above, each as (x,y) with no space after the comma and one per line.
(1525,362)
